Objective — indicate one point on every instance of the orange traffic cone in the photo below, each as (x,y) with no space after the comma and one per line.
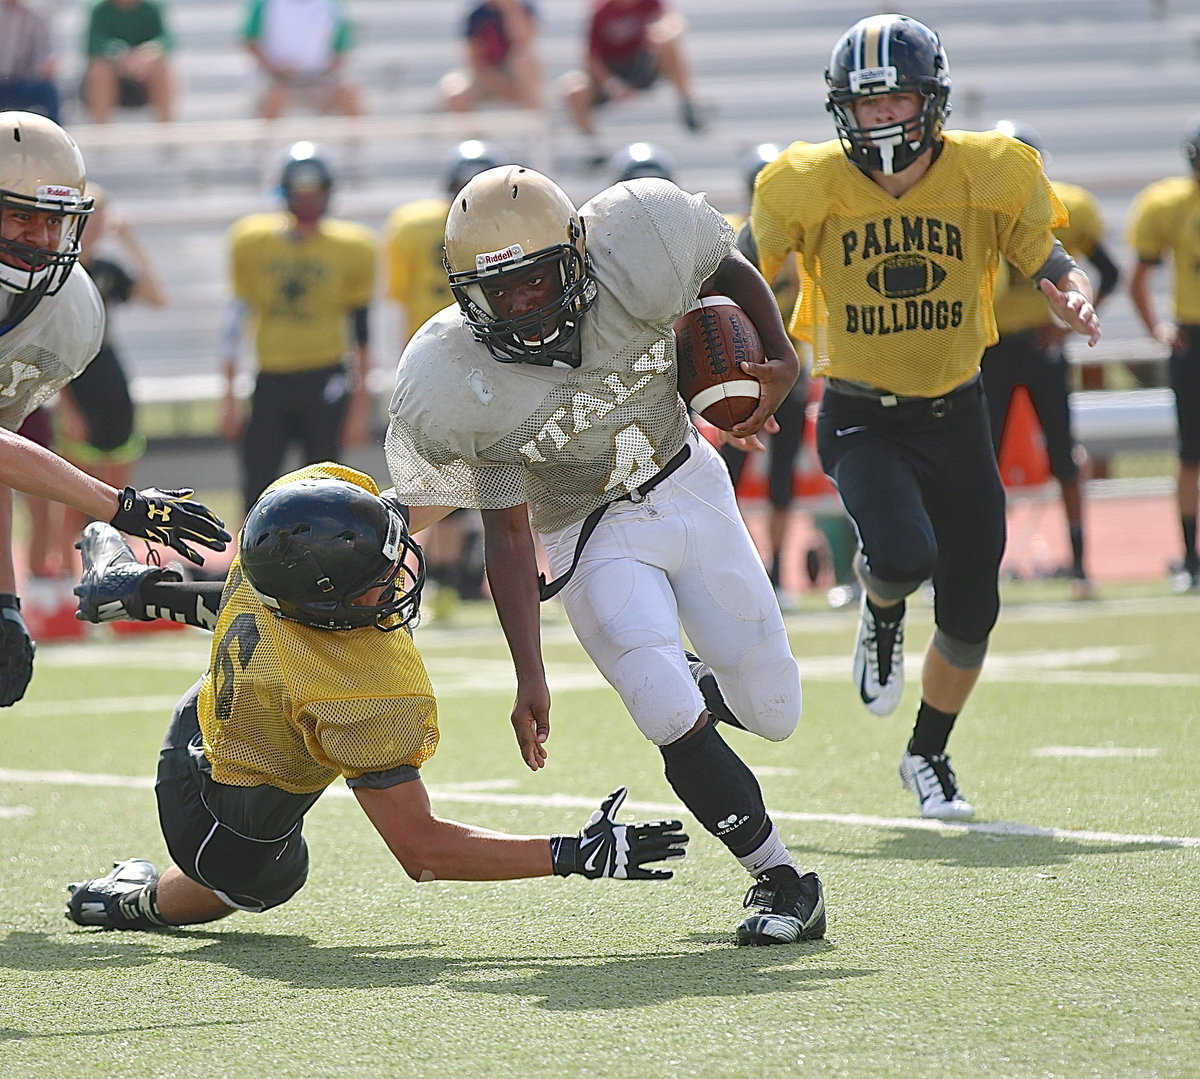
(1023,459)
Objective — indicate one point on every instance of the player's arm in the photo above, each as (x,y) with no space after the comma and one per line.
(1069,293)
(1107,270)
(431,848)
(513,579)
(16,646)
(736,278)
(1142,296)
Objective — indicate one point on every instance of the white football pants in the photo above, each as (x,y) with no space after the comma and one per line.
(680,556)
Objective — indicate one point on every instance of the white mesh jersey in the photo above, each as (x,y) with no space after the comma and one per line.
(49,347)
(467,430)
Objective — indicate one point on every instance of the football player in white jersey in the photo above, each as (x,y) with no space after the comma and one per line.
(550,394)
(51,324)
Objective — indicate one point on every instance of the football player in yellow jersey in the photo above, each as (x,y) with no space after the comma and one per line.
(1030,351)
(900,226)
(305,281)
(309,681)
(1166,219)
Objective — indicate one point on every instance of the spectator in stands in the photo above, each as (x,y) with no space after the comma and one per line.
(28,64)
(306,281)
(301,47)
(416,280)
(1031,351)
(501,61)
(1166,220)
(128,54)
(94,419)
(630,44)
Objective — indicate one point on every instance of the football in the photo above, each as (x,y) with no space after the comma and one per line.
(712,337)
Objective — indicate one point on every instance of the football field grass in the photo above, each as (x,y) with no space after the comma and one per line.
(1057,935)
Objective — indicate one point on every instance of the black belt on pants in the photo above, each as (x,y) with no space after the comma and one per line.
(937,406)
(550,589)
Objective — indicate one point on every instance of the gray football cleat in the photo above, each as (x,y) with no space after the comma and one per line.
(110,588)
(118,900)
(789,907)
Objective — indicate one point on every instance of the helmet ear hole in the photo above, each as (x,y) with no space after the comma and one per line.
(311,548)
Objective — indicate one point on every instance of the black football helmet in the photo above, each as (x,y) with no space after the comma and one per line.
(754,160)
(1023,132)
(311,547)
(1191,143)
(642,159)
(305,169)
(515,219)
(467,160)
(888,54)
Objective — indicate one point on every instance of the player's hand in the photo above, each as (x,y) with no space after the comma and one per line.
(605,848)
(169,518)
(531,723)
(1074,309)
(16,651)
(752,443)
(775,379)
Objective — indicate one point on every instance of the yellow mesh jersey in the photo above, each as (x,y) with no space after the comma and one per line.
(1166,217)
(294,707)
(1019,305)
(300,292)
(412,244)
(785,284)
(897,293)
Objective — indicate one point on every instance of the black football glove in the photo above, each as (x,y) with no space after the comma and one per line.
(169,518)
(16,651)
(605,848)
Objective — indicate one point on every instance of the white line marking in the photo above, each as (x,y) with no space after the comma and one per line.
(572,801)
(1096,751)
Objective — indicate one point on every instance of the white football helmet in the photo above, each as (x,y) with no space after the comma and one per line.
(41,170)
(512,218)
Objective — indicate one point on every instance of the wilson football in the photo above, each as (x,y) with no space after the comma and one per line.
(712,337)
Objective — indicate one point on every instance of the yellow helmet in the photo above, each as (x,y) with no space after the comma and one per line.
(41,171)
(512,218)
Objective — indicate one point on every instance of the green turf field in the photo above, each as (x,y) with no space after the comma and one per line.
(1057,936)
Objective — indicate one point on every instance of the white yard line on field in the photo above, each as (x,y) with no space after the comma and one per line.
(461,793)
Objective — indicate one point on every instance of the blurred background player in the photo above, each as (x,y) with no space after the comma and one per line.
(413,240)
(500,43)
(309,681)
(305,280)
(640,159)
(630,44)
(1165,219)
(1031,351)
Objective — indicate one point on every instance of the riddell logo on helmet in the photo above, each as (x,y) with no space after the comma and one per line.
(53,191)
(489,260)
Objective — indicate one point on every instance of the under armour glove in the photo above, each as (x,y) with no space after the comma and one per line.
(16,651)
(605,848)
(169,518)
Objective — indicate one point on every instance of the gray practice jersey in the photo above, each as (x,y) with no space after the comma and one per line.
(49,347)
(467,430)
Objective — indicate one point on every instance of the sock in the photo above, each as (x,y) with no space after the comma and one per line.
(138,909)
(1076,533)
(773,573)
(718,789)
(194,603)
(1191,560)
(931,731)
(887,616)
(771,854)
